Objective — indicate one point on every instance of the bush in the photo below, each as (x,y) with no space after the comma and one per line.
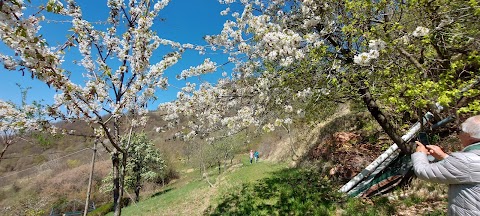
(107,208)
(168,175)
(102,210)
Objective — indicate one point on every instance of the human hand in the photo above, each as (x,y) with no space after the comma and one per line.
(436,152)
(421,147)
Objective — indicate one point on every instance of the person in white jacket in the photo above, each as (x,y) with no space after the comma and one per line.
(460,170)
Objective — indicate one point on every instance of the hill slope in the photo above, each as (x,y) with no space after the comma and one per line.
(337,149)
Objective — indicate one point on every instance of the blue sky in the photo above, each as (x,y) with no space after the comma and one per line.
(184,21)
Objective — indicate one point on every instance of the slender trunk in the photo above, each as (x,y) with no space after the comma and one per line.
(375,111)
(118,171)
(123,165)
(117,198)
(87,201)
(205,175)
(4,150)
(138,178)
(290,140)
(225,162)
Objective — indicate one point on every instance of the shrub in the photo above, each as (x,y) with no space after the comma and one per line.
(101,210)
(73,163)
(107,208)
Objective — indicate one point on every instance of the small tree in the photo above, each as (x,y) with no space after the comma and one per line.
(16,121)
(144,164)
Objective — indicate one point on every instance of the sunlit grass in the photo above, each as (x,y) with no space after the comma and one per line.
(296,191)
(191,195)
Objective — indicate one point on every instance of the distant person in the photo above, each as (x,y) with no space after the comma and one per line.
(255,155)
(460,170)
(251,156)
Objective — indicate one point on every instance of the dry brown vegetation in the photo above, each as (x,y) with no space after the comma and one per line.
(43,171)
(52,188)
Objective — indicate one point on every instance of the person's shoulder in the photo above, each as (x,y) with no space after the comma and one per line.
(467,156)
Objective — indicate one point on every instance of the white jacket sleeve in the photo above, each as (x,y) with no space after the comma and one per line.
(455,169)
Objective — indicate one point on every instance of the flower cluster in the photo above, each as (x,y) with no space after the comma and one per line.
(420,31)
(17,120)
(365,58)
(206,67)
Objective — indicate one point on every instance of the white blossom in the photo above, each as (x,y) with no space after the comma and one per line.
(362,59)
(225,12)
(377,45)
(288,108)
(288,121)
(420,31)
(269,127)
(206,67)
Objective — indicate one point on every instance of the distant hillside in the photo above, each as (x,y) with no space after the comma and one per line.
(38,148)
(46,169)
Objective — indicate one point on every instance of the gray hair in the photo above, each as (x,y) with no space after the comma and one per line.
(472,126)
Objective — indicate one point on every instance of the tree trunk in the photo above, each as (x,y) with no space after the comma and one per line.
(138,178)
(123,165)
(4,150)
(382,119)
(205,175)
(225,162)
(219,166)
(117,198)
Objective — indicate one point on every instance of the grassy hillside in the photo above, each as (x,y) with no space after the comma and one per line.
(299,173)
(268,188)
(192,195)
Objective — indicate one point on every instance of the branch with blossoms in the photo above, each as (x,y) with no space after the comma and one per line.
(232,106)
(18,121)
(369,51)
(118,61)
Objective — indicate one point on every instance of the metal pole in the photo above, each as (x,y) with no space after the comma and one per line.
(380,159)
(90,179)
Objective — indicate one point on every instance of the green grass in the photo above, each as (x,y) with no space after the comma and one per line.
(413,200)
(164,199)
(257,189)
(286,192)
(294,191)
(191,195)
(252,172)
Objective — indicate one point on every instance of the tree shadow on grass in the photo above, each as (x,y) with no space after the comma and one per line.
(289,191)
(162,192)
